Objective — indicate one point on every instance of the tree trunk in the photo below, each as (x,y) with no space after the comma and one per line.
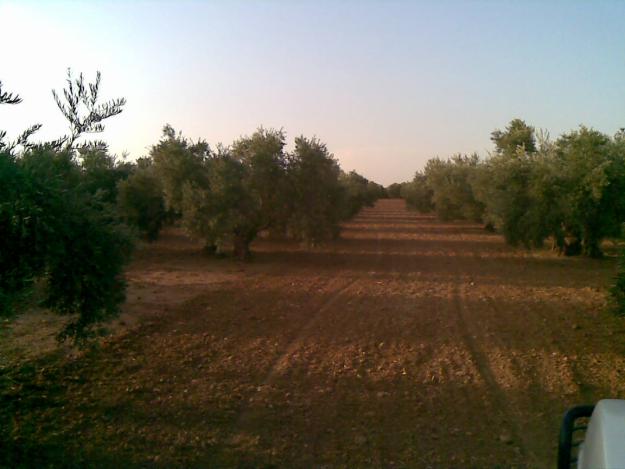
(558,242)
(591,249)
(590,243)
(572,246)
(242,247)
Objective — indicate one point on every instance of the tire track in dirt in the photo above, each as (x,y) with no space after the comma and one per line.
(514,366)
(525,368)
(469,337)
(317,317)
(585,392)
(541,362)
(408,343)
(282,360)
(323,316)
(474,340)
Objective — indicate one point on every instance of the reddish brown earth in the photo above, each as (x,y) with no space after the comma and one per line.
(407,343)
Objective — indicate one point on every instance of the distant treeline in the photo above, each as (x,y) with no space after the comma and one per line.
(531,189)
(70,212)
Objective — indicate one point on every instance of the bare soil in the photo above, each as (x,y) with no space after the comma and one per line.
(406,343)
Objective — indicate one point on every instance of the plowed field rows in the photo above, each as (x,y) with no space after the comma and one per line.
(406,343)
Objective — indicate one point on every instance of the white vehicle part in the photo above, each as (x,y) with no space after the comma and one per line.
(604,442)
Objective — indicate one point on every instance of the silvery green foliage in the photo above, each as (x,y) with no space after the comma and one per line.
(58,223)
(81,107)
(22,140)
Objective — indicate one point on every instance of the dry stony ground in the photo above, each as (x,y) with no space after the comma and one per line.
(407,343)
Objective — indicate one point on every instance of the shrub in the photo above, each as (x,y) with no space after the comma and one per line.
(450,183)
(57,225)
(253,186)
(140,202)
(238,192)
(178,161)
(358,192)
(102,172)
(417,193)
(394,190)
(315,192)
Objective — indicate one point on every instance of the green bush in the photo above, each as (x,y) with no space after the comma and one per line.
(58,231)
(24,236)
(254,185)
(102,172)
(178,161)
(315,192)
(394,190)
(417,193)
(237,192)
(358,192)
(450,183)
(140,202)
(570,190)
(57,221)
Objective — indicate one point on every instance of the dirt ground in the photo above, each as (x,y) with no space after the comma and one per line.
(406,343)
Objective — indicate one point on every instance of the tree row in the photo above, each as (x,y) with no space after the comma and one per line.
(70,212)
(532,189)
(570,191)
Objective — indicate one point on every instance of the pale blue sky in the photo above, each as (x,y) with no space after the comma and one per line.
(386,85)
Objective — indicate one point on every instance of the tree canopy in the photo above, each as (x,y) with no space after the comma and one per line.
(571,190)
(58,218)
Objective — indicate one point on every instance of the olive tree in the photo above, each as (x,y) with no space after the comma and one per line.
(450,183)
(55,228)
(140,201)
(238,192)
(517,135)
(593,169)
(417,193)
(178,161)
(315,192)
(358,192)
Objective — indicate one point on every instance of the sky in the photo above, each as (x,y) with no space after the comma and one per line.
(386,85)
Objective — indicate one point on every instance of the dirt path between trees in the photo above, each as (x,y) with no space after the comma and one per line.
(406,343)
